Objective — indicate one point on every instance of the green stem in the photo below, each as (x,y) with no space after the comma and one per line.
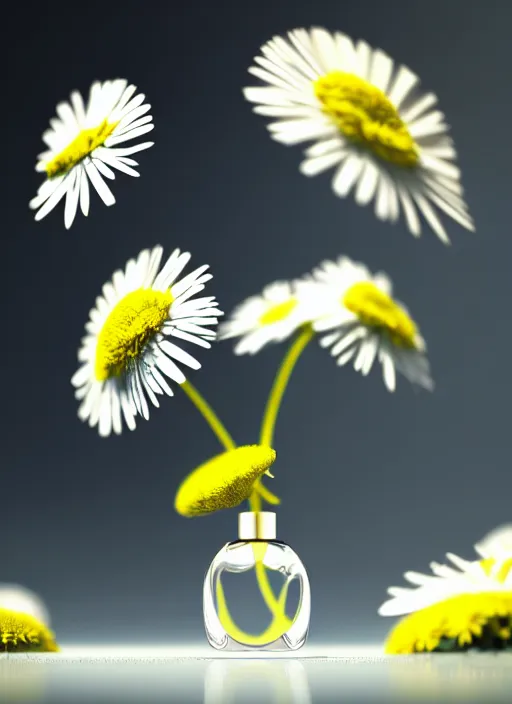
(280,384)
(227,441)
(272,409)
(209,415)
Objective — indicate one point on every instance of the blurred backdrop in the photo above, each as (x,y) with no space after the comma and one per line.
(372,483)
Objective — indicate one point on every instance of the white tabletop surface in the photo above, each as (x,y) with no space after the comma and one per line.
(200,674)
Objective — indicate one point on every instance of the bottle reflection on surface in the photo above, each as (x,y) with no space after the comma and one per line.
(271,681)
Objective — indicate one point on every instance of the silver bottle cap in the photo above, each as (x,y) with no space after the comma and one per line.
(259,525)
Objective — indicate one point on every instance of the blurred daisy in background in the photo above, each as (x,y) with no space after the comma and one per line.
(365,323)
(83,145)
(23,633)
(13,597)
(272,316)
(126,355)
(386,143)
(467,605)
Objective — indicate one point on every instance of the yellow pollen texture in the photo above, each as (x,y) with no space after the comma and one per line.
(132,322)
(460,619)
(278,312)
(83,145)
(364,114)
(23,633)
(376,309)
(224,481)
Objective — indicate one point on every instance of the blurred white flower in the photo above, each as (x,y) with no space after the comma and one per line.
(17,598)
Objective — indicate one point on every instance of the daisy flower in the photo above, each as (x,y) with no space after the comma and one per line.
(385,142)
(465,605)
(16,598)
(23,633)
(83,145)
(225,481)
(126,355)
(365,322)
(271,316)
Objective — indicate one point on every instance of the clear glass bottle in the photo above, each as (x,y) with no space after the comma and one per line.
(257,550)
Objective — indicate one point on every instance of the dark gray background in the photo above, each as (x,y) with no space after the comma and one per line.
(373,483)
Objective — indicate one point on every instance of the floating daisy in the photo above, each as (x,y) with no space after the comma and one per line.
(385,141)
(365,322)
(126,355)
(83,145)
(272,316)
(468,605)
(224,481)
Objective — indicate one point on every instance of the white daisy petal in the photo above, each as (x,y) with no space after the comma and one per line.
(72,198)
(148,389)
(169,368)
(172,269)
(99,184)
(364,56)
(381,69)
(367,184)
(54,199)
(84,191)
(314,166)
(347,175)
(430,216)
(411,216)
(178,354)
(117,425)
(346,357)
(103,169)
(404,82)
(105,421)
(137,132)
(388,370)
(188,337)
(160,380)
(128,414)
(106,156)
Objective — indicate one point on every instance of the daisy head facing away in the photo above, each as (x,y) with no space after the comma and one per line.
(467,605)
(272,316)
(366,120)
(83,144)
(127,356)
(364,322)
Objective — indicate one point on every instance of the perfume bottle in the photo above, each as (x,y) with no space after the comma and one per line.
(277,570)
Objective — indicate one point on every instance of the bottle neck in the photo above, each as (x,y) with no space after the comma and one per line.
(257,525)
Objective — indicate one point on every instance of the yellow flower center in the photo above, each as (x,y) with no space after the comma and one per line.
(502,573)
(364,114)
(460,619)
(83,145)
(278,312)
(223,481)
(24,633)
(376,309)
(131,323)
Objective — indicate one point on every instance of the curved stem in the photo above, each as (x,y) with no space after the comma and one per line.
(280,384)
(227,441)
(209,415)
(266,494)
